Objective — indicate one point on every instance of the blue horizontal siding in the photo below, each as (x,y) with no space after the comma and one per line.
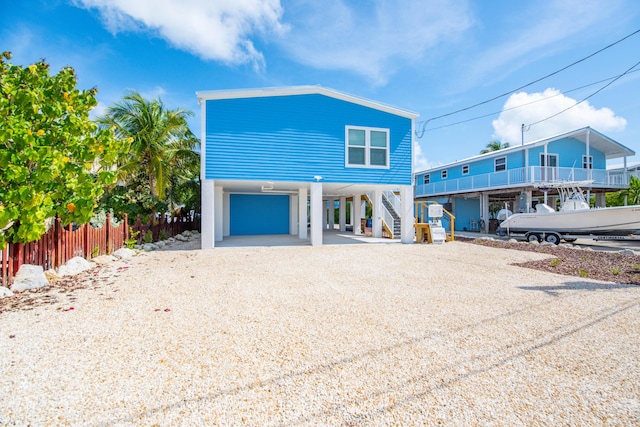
(569,151)
(296,137)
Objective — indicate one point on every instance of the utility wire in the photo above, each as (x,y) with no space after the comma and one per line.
(526,103)
(584,99)
(526,85)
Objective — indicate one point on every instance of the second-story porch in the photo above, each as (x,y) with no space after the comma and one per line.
(528,176)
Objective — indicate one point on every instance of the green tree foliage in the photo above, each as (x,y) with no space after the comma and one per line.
(631,194)
(53,159)
(494,146)
(163,152)
(133,199)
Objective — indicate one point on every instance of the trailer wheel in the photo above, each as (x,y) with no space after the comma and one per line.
(533,237)
(552,238)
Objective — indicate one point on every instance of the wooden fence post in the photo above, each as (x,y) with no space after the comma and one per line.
(57,241)
(107,223)
(85,244)
(125,218)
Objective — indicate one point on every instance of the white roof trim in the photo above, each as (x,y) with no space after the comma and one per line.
(301,90)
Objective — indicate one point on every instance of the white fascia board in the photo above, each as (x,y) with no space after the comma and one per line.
(302,90)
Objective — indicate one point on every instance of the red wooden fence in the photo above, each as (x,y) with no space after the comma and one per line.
(163,226)
(59,244)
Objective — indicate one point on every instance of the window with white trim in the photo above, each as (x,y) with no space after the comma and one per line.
(426,179)
(500,164)
(465,169)
(587,163)
(549,160)
(367,147)
(444,173)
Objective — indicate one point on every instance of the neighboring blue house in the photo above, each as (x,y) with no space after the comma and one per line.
(475,188)
(273,158)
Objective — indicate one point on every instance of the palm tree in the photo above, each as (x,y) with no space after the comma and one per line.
(161,142)
(632,193)
(494,146)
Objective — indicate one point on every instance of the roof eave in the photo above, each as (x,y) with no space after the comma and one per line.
(302,90)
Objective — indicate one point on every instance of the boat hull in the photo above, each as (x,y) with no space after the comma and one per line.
(615,221)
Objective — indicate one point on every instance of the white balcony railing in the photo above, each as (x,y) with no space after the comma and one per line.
(523,176)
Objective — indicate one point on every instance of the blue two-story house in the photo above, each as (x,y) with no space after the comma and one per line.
(278,160)
(518,177)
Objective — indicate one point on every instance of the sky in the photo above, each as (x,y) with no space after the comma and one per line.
(474,70)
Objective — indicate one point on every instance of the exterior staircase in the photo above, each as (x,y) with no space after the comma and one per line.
(396,227)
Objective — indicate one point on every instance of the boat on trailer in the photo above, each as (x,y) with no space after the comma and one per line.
(574,220)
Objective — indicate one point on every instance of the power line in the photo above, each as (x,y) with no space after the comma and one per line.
(526,85)
(526,103)
(584,99)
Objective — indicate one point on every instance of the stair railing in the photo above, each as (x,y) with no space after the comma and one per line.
(421,214)
(394,199)
(388,221)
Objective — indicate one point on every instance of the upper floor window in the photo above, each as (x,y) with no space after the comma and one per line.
(587,163)
(549,160)
(500,164)
(444,174)
(367,147)
(465,169)
(426,179)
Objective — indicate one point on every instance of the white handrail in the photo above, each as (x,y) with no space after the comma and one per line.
(388,219)
(394,200)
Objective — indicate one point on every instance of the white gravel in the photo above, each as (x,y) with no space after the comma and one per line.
(374,334)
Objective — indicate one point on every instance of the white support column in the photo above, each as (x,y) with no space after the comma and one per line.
(351,212)
(529,196)
(589,165)
(293,214)
(332,214)
(302,213)
(219,213)
(317,207)
(226,221)
(407,230)
(377,214)
(357,214)
(484,201)
(324,215)
(342,214)
(207,238)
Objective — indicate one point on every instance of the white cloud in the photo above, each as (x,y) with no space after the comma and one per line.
(372,39)
(216,30)
(154,93)
(420,161)
(540,105)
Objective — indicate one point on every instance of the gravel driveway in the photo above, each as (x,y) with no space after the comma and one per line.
(374,334)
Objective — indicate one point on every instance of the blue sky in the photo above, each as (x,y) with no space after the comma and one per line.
(433,57)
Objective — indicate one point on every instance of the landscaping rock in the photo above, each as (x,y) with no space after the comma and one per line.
(627,252)
(186,233)
(5,292)
(29,277)
(170,240)
(103,259)
(160,244)
(124,253)
(75,265)
(181,238)
(149,247)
